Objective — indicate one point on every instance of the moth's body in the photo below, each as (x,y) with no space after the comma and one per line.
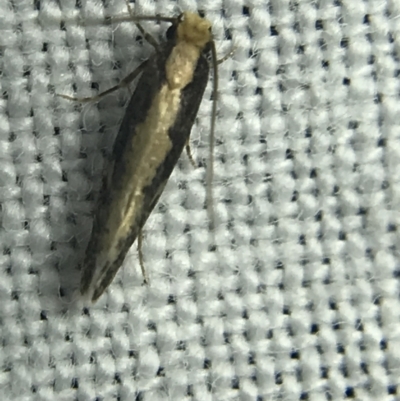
(153,133)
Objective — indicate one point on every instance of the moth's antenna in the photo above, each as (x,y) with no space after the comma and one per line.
(210,170)
(146,35)
(157,18)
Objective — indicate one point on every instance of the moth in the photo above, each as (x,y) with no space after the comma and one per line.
(154,131)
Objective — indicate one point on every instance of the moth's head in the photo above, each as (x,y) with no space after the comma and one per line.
(193,29)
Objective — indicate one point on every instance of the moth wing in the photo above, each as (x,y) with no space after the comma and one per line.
(99,271)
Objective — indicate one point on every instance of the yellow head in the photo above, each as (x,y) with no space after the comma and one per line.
(194,29)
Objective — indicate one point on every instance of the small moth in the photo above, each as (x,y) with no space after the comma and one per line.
(155,129)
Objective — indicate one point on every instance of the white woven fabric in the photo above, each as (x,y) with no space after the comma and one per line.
(295,294)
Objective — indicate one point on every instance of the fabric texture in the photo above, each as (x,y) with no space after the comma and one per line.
(293,296)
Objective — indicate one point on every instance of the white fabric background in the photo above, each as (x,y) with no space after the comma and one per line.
(294,296)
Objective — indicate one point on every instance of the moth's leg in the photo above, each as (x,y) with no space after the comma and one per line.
(145,34)
(189,153)
(148,37)
(141,261)
(126,81)
(228,55)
